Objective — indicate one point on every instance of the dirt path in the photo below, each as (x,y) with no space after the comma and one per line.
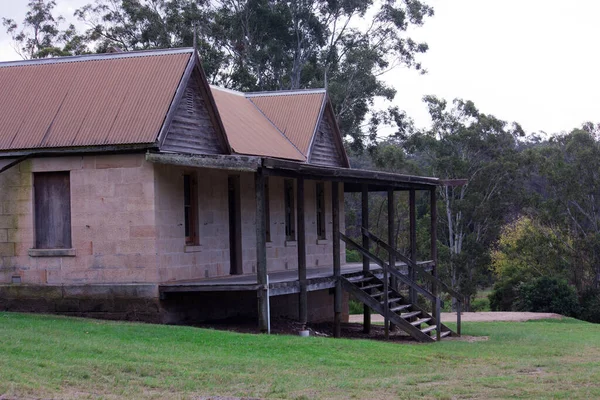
(478,316)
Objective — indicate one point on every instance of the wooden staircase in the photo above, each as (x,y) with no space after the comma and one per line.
(376,292)
(369,289)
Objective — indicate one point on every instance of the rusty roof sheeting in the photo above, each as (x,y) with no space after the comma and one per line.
(248,131)
(89,100)
(295,113)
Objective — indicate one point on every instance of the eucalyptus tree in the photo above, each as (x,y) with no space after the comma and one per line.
(464,143)
(569,165)
(41,34)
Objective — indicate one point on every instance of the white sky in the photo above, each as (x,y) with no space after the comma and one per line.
(530,61)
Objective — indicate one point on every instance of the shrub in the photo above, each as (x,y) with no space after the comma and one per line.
(503,295)
(355,307)
(353,256)
(590,306)
(548,294)
(480,305)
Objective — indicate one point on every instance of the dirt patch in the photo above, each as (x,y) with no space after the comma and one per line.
(354,329)
(325,329)
(490,316)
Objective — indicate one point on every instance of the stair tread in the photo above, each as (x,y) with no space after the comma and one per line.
(380,294)
(372,286)
(442,335)
(360,279)
(392,300)
(429,329)
(420,321)
(400,307)
(410,314)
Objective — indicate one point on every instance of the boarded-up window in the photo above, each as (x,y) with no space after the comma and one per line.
(321,231)
(190,205)
(290,226)
(52,199)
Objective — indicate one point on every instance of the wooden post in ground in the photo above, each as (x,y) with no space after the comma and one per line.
(433,235)
(303,297)
(337,266)
(261,251)
(413,242)
(365,244)
(391,262)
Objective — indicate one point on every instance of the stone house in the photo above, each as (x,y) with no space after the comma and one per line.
(130,188)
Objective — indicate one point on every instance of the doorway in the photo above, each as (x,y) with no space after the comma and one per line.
(235,226)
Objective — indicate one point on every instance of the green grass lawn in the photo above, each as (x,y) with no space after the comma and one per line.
(47,356)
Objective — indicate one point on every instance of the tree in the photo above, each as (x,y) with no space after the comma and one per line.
(40,35)
(569,168)
(465,143)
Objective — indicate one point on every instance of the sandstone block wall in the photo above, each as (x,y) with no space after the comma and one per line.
(112,222)
(210,258)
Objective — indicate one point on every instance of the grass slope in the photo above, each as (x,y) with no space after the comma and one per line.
(47,356)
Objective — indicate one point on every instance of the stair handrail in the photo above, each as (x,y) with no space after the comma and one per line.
(422,272)
(427,276)
(383,264)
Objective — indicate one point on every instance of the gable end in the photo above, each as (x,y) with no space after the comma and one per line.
(327,148)
(192,129)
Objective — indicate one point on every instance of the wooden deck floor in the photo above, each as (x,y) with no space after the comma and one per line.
(280,282)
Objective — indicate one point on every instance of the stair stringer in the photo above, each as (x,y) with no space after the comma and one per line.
(377,307)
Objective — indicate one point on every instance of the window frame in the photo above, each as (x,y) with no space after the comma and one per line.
(190,207)
(48,249)
(321,211)
(289,211)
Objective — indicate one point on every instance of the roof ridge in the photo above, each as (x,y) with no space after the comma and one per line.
(277,128)
(227,90)
(285,92)
(96,57)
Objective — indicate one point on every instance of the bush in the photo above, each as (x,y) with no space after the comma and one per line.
(548,294)
(503,296)
(355,307)
(480,305)
(590,306)
(353,256)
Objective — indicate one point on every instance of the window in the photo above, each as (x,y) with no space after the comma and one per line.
(321,231)
(190,205)
(290,227)
(52,202)
(267,210)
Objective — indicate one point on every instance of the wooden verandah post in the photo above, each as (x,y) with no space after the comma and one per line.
(302,296)
(337,268)
(261,252)
(413,241)
(435,306)
(365,244)
(391,263)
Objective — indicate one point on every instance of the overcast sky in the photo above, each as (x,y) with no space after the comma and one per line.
(530,61)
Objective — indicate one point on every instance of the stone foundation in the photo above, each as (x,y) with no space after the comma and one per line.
(140,302)
(136,302)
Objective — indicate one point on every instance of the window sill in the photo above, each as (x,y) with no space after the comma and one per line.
(291,243)
(192,248)
(51,252)
(323,241)
(268,245)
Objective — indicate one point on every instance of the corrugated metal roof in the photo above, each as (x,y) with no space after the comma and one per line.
(296,113)
(88,101)
(248,131)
